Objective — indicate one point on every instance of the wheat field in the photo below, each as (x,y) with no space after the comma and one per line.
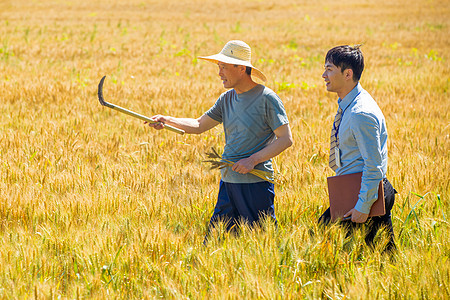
(95,204)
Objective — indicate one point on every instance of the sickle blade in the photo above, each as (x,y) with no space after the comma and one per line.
(100,94)
(129,112)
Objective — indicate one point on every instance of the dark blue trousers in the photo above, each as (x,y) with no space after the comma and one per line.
(243,203)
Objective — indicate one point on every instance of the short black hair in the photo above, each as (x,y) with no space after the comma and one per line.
(347,57)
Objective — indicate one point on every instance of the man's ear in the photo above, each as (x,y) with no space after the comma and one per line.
(242,68)
(348,73)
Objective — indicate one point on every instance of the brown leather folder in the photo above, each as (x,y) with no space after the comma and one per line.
(343,193)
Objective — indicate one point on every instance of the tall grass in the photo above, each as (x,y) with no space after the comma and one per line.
(93,204)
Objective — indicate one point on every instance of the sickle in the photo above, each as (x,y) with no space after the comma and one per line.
(129,112)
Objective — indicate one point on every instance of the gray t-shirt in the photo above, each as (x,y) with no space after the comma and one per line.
(249,120)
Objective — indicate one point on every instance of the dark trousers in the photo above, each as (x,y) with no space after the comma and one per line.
(242,203)
(374,223)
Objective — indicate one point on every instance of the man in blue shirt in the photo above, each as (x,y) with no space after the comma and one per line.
(359,140)
(256,129)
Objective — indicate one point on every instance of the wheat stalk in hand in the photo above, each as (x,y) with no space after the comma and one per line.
(217,162)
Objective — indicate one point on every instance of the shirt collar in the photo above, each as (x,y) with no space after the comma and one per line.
(344,103)
(250,94)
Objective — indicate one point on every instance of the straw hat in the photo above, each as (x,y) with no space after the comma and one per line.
(237,53)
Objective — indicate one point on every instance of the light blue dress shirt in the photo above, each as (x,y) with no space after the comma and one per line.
(363,144)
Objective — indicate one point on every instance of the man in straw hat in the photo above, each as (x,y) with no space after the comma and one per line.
(256,129)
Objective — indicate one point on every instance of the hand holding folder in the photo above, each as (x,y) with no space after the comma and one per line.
(343,191)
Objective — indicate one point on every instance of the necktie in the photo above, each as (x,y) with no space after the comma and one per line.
(334,141)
